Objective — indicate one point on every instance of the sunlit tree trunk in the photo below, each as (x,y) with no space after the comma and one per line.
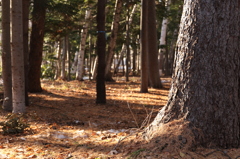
(108,67)
(112,43)
(80,65)
(6,57)
(63,58)
(205,86)
(18,87)
(163,36)
(58,71)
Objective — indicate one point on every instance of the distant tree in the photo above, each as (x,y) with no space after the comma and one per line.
(101,50)
(6,57)
(153,66)
(18,87)
(113,39)
(144,47)
(25,5)
(81,53)
(205,87)
(36,45)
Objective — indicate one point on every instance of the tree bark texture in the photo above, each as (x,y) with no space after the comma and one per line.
(205,87)
(101,50)
(18,87)
(25,5)
(36,45)
(144,47)
(154,77)
(6,57)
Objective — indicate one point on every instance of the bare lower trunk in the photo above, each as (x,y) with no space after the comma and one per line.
(205,87)
(6,57)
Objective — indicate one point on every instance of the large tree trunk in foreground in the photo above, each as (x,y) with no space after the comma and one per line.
(205,86)
(36,45)
(18,76)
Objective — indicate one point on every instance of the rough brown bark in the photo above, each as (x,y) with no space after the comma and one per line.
(205,87)
(6,57)
(36,45)
(25,4)
(18,87)
(144,47)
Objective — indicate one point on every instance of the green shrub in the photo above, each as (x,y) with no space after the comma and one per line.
(14,124)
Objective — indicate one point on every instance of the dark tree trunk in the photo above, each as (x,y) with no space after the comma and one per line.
(6,57)
(205,88)
(144,47)
(36,45)
(101,49)
(25,44)
(154,77)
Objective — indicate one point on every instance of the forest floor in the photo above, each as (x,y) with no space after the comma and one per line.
(65,123)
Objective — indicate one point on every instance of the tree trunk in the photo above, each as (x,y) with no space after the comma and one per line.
(112,43)
(108,74)
(57,73)
(163,40)
(18,87)
(101,49)
(205,86)
(144,47)
(25,10)
(36,45)
(121,58)
(6,57)
(154,77)
(80,65)
(63,58)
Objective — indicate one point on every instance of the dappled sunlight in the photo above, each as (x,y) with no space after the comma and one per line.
(65,121)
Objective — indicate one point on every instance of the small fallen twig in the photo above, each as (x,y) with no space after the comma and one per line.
(133,115)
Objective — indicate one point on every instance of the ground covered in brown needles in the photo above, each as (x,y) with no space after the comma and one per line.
(65,123)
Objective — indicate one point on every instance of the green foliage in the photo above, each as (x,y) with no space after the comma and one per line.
(136,153)
(47,71)
(14,124)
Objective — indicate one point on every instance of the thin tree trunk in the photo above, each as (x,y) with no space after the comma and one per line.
(120,59)
(80,65)
(112,43)
(6,57)
(18,87)
(63,59)
(108,74)
(154,77)
(163,39)
(101,49)
(58,72)
(144,47)
(25,5)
